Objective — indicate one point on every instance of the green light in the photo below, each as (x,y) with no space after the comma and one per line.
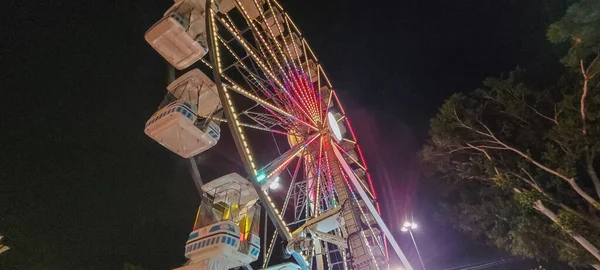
(261,177)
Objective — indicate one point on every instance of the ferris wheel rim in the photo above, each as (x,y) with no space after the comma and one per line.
(232,120)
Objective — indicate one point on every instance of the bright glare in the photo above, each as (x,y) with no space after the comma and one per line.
(334,126)
(261,177)
(404,229)
(407,224)
(275,183)
(413,226)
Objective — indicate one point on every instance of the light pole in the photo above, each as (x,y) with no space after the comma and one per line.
(408,227)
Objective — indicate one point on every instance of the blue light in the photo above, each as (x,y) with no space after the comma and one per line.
(261,177)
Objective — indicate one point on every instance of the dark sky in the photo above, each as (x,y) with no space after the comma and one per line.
(82,187)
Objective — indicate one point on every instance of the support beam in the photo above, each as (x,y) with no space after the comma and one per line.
(193,167)
(358,187)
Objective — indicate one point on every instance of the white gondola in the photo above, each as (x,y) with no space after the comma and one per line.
(195,88)
(273,22)
(294,44)
(180,36)
(311,68)
(173,127)
(225,234)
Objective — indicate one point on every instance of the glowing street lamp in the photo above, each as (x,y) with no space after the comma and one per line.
(408,227)
(275,183)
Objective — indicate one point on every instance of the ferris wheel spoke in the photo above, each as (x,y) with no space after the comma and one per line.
(240,62)
(290,81)
(268,121)
(279,163)
(272,35)
(316,211)
(252,25)
(294,93)
(267,70)
(269,251)
(247,93)
(246,45)
(223,120)
(236,88)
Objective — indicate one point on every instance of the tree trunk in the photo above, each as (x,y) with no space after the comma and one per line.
(577,237)
(583,194)
(589,160)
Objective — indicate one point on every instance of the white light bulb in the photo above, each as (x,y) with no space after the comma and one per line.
(275,183)
(406,224)
(334,126)
(413,226)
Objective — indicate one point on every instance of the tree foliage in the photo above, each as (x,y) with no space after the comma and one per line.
(516,161)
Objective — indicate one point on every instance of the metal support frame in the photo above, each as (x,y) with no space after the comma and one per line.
(358,187)
(195,173)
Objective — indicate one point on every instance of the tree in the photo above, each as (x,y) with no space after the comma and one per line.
(511,158)
(580,26)
(517,159)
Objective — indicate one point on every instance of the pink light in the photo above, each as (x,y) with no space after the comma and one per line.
(329,176)
(306,95)
(319,174)
(298,104)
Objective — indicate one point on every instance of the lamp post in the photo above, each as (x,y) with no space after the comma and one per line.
(408,227)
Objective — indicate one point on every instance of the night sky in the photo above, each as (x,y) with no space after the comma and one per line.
(82,186)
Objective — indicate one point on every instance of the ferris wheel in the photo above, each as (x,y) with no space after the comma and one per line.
(251,69)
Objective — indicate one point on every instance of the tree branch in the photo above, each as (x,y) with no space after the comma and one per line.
(530,183)
(481,150)
(589,160)
(569,180)
(522,99)
(553,201)
(593,250)
(583,95)
(462,124)
(561,146)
